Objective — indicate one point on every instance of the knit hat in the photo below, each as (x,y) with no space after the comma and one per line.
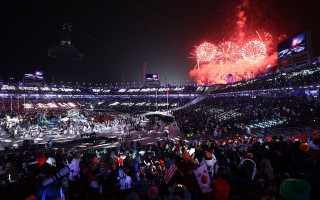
(269,138)
(95,160)
(185,155)
(295,189)
(153,192)
(41,160)
(162,163)
(304,147)
(302,138)
(31,197)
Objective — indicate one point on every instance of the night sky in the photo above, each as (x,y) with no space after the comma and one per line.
(118,36)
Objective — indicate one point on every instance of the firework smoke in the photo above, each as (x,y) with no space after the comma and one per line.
(242,18)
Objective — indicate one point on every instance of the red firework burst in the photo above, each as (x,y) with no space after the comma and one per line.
(254,51)
(227,52)
(205,52)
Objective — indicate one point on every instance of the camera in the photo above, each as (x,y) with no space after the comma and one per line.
(62,172)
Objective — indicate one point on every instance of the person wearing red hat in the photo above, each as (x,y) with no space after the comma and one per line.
(41,160)
(120,160)
(269,138)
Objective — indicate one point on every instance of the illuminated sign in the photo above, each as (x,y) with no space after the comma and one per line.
(292,46)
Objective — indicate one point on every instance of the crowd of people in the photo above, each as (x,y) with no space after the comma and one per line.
(237,168)
(32,125)
(217,156)
(294,78)
(237,115)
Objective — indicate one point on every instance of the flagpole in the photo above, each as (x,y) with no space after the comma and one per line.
(156,101)
(24,102)
(168,100)
(180,172)
(149,101)
(18,104)
(11,103)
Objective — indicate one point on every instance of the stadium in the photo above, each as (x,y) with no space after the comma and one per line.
(277,105)
(246,127)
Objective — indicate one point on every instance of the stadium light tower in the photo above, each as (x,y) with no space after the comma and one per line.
(143,78)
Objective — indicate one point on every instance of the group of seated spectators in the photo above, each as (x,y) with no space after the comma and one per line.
(237,114)
(121,104)
(16,88)
(299,77)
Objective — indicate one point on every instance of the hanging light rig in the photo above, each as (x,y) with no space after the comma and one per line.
(65,50)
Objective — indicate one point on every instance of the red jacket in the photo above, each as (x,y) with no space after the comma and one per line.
(221,189)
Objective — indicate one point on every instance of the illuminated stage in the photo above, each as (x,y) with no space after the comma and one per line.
(110,137)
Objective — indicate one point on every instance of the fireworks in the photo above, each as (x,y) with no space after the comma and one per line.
(205,52)
(254,51)
(225,52)
(245,54)
(218,61)
(228,52)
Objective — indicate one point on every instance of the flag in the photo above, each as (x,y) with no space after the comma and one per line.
(203,178)
(171,169)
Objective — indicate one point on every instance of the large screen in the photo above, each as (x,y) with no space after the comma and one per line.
(29,76)
(152,77)
(38,75)
(292,46)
